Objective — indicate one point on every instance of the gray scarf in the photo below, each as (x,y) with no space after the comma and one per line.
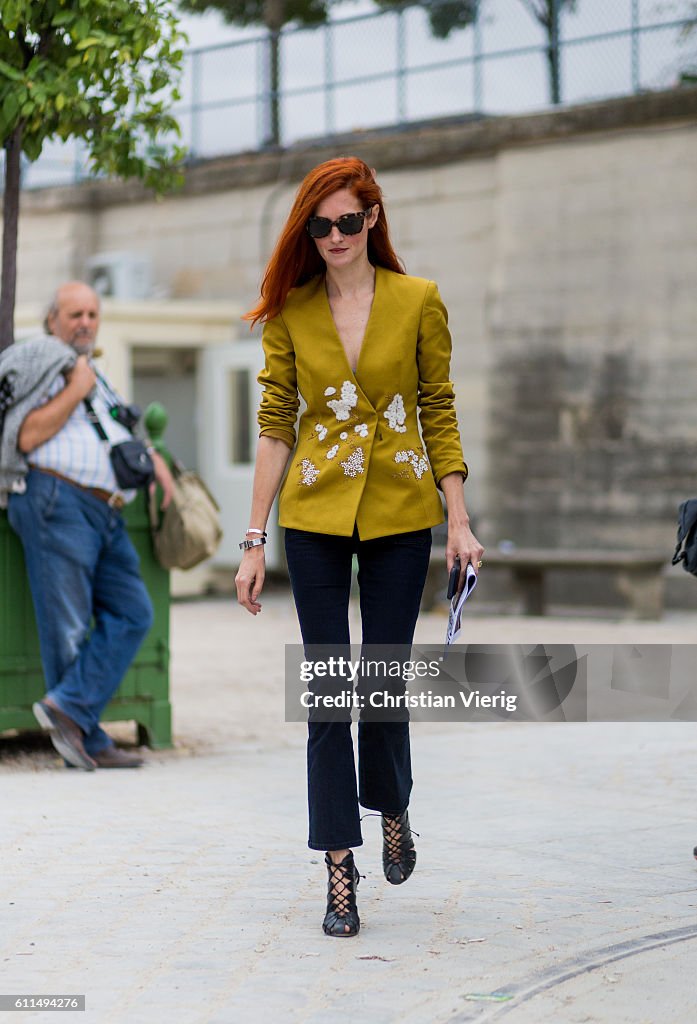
(27,371)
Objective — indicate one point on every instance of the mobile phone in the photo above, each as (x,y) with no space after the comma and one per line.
(454,579)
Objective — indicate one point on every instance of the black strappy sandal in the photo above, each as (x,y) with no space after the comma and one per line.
(341,898)
(398,853)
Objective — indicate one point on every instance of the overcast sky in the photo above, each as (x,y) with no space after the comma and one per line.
(233,76)
(507,15)
(509,85)
(211,28)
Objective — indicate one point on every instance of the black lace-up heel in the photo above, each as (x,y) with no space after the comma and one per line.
(398,853)
(341,918)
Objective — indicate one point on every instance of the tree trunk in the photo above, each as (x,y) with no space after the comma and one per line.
(554,52)
(10,214)
(273,132)
(274,19)
(554,75)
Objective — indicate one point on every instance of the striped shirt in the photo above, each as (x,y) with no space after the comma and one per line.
(77,451)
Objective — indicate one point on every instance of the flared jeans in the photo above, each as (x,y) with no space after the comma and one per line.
(391,575)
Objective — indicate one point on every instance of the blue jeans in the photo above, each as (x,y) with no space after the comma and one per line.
(82,566)
(391,575)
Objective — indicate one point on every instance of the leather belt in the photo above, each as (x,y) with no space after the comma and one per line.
(115,500)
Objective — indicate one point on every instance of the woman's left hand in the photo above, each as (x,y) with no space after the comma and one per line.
(462,543)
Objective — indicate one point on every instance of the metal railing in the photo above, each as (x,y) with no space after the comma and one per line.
(385,68)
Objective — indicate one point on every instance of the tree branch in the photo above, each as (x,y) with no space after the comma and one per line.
(45,43)
(537,14)
(24,46)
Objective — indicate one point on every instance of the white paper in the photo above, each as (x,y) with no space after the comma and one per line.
(457,604)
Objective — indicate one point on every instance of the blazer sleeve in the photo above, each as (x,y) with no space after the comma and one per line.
(436,395)
(280,402)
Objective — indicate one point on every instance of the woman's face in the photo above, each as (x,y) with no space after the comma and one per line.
(336,249)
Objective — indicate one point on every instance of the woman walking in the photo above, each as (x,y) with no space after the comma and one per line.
(365,346)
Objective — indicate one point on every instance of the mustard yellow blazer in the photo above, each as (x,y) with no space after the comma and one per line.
(360,458)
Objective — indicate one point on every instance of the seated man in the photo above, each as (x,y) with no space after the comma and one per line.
(79,557)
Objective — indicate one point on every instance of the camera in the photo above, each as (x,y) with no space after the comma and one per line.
(126,415)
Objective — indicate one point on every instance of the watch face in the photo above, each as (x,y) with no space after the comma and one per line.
(246,544)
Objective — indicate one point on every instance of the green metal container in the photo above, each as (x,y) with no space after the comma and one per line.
(144,693)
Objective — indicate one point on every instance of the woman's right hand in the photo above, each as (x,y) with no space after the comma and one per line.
(250,578)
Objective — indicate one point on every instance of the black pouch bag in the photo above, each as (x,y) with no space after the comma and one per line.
(686,548)
(133,467)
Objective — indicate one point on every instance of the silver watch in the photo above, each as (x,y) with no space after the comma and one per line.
(245,544)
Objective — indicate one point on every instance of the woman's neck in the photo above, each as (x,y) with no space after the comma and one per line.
(350,280)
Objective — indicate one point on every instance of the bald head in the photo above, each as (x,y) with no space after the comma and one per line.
(73,316)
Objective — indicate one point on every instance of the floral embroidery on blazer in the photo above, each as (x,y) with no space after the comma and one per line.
(361,458)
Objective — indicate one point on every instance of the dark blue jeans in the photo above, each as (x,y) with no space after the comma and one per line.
(82,566)
(391,575)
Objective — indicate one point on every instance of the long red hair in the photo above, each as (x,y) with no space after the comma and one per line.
(295,259)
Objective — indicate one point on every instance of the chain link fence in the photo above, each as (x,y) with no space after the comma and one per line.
(386,68)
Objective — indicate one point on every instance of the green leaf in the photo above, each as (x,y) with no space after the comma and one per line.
(85,43)
(10,108)
(9,72)
(63,18)
(32,145)
(60,101)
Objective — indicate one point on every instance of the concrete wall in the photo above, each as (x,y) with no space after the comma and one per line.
(565,246)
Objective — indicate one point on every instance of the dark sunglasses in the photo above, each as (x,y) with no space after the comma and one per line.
(349,224)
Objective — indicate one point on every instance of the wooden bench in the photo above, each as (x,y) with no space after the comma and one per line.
(638,575)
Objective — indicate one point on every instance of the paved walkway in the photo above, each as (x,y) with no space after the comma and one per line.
(554,874)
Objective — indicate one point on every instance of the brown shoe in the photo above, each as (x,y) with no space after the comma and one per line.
(65,734)
(114,757)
